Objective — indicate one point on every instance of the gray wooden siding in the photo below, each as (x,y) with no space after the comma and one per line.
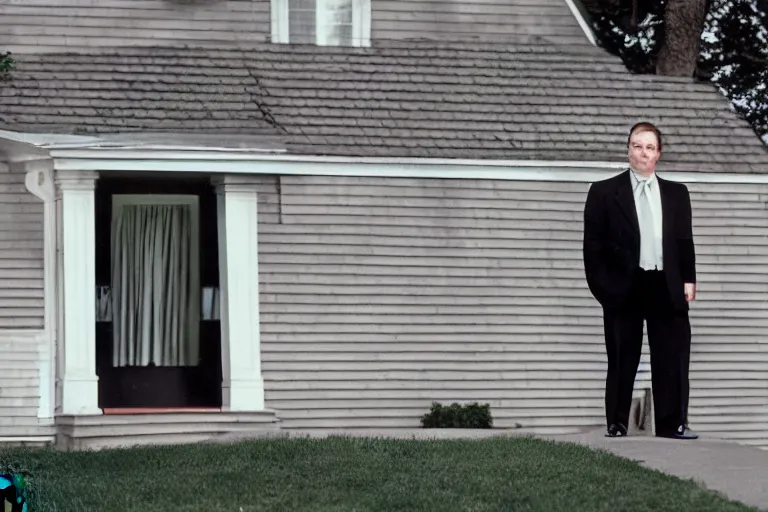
(729,359)
(65,25)
(487,20)
(20,355)
(21,253)
(21,305)
(382,295)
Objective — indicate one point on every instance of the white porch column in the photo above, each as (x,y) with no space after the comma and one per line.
(79,383)
(237,206)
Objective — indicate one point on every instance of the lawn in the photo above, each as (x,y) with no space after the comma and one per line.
(347,474)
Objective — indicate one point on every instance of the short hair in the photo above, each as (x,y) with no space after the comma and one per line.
(645,126)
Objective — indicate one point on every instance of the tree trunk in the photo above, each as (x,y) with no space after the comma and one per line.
(635,21)
(683,22)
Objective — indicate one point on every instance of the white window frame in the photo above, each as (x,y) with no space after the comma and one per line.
(361,22)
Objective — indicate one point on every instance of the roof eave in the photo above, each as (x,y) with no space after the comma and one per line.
(164,141)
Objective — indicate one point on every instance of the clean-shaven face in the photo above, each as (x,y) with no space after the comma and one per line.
(644,152)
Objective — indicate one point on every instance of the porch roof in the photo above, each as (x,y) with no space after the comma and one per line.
(526,101)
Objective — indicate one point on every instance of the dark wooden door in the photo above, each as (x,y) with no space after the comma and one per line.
(158,386)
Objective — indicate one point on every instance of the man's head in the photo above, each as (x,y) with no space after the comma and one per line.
(644,148)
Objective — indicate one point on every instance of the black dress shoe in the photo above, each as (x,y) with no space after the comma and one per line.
(616,430)
(682,432)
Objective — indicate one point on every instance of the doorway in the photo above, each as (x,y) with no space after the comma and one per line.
(156,256)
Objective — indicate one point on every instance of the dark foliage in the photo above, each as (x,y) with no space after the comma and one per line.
(6,65)
(733,53)
(472,415)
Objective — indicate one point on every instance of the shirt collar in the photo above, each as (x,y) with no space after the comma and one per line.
(638,178)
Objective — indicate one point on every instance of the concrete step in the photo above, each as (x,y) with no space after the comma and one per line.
(27,436)
(125,430)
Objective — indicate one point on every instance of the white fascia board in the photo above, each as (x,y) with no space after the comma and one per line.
(580,13)
(43,139)
(244,163)
(140,141)
(217,162)
(120,146)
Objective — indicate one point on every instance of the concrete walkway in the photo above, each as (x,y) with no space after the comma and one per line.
(737,471)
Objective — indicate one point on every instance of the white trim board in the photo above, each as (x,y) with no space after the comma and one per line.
(579,13)
(27,439)
(202,153)
(238,163)
(39,182)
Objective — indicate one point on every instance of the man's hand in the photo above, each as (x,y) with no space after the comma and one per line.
(690,291)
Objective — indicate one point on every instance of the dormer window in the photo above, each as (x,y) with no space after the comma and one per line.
(322,22)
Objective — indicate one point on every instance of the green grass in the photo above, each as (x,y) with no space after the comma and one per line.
(347,474)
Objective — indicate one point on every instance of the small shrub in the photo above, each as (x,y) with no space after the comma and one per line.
(6,65)
(471,415)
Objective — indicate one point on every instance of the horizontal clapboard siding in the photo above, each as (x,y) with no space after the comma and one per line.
(729,359)
(488,20)
(21,306)
(20,366)
(66,25)
(382,295)
(21,253)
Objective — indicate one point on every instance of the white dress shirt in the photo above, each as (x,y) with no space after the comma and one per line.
(655,197)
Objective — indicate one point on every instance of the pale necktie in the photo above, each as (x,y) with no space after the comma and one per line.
(647,232)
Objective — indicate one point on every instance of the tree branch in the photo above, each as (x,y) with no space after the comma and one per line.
(757,60)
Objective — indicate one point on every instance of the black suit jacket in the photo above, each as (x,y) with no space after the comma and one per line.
(612,239)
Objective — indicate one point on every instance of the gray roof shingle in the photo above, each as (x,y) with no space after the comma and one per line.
(133,90)
(400,99)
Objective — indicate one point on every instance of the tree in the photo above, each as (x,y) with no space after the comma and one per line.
(631,30)
(722,41)
(734,56)
(683,23)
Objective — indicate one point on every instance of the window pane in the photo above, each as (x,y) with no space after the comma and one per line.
(339,16)
(211,303)
(301,16)
(103,303)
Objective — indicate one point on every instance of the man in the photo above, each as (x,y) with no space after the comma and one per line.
(640,264)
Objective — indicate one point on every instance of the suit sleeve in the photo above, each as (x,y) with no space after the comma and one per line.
(686,248)
(594,236)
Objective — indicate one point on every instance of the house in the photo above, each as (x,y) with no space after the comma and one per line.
(359,212)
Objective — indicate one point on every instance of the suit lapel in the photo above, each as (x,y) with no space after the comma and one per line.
(666,212)
(626,200)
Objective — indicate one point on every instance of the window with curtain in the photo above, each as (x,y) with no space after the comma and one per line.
(322,22)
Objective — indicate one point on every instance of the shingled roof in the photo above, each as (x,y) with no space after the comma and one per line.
(397,99)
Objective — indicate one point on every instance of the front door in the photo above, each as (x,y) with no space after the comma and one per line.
(156,245)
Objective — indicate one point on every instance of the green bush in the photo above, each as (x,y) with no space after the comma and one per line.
(6,65)
(471,415)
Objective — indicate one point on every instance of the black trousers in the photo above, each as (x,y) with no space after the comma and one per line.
(669,341)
